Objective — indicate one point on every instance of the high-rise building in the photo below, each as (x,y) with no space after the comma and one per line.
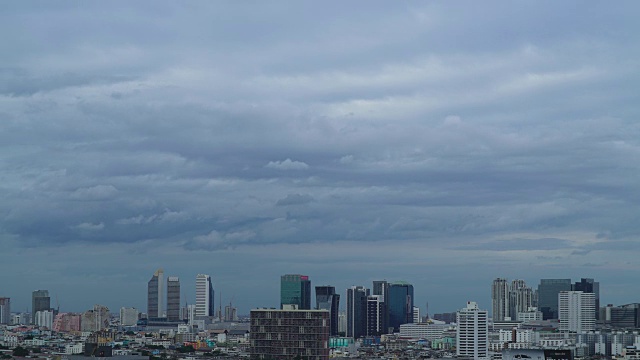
(44,318)
(204,296)
(548,291)
(399,303)
(295,289)
(521,298)
(381,288)
(67,322)
(173,298)
(327,299)
(155,295)
(270,339)
(500,300)
(576,311)
(230,313)
(5,310)
(416,315)
(40,301)
(128,316)
(472,334)
(589,286)
(375,315)
(95,319)
(357,311)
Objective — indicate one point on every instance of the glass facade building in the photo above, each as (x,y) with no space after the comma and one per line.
(399,302)
(327,299)
(548,291)
(295,289)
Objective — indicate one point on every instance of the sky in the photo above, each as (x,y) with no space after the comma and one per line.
(440,143)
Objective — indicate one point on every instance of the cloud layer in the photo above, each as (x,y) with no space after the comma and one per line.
(387,143)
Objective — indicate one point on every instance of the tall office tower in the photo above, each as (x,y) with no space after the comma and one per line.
(173,298)
(472,334)
(500,299)
(399,302)
(155,295)
(357,311)
(342,322)
(375,315)
(548,291)
(128,316)
(589,286)
(295,289)
(381,288)
(204,296)
(576,311)
(521,298)
(327,299)
(268,339)
(40,301)
(5,310)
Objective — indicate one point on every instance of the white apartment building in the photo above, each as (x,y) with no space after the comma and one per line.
(576,311)
(44,319)
(423,331)
(472,332)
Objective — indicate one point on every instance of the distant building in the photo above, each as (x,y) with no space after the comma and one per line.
(446,317)
(271,336)
(416,315)
(95,319)
(295,289)
(375,315)
(532,314)
(500,300)
(204,296)
(128,316)
(381,288)
(537,354)
(423,331)
(173,298)
(5,310)
(40,301)
(155,295)
(44,318)
(589,286)
(548,291)
(67,322)
(472,334)
(230,313)
(357,311)
(399,302)
(576,310)
(327,299)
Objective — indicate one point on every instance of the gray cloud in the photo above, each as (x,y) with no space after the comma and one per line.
(425,133)
(295,199)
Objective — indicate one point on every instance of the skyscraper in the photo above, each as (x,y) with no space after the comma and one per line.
(399,303)
(589,286)
(327,299)
(576,311)
(295,289)
(375,315)
(520,298)
(204,296)
(173,298)
(548,291)
(40,301)
(472,334)
(155,295)
(381,288)
(500,299)
(357,311)
(5,310)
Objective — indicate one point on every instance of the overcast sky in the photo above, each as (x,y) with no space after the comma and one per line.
(440,143)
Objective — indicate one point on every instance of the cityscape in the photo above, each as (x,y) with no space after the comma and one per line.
(315,180)
(557,317)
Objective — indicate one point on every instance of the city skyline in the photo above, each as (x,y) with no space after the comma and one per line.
(443,144)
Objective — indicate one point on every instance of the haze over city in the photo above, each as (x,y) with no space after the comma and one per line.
(442,144)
